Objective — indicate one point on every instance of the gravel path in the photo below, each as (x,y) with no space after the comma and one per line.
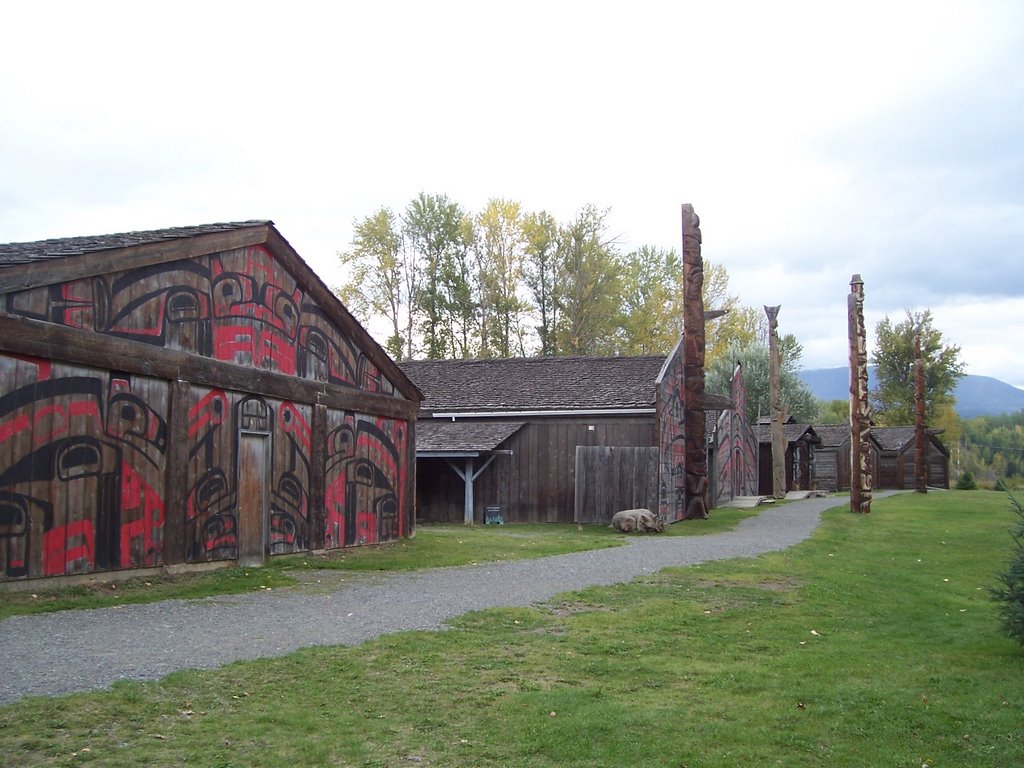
(56,653)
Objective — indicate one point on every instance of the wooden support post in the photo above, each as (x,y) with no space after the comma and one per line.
(467,480)
(469,477)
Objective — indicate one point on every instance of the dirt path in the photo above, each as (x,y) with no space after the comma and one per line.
(56,653)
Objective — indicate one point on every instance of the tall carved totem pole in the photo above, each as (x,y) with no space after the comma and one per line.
(777,411)
(920,446)
(697,491)
(860,408)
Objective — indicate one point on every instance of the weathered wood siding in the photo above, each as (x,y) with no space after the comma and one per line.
(120,444)
(826,468)
(938,467)
(536,484)
(612,478)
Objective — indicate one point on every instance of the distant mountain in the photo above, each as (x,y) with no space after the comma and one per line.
(975,395)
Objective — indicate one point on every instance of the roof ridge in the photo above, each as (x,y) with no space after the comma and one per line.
(164,232)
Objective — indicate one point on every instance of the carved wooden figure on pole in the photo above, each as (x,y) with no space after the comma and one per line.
(920,446)
(860,409)
(777,411)
(697,490)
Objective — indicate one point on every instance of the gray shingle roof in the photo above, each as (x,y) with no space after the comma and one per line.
(832,434)
(536,384)
(23,253)
(893,438)
(440,436)
(793,433)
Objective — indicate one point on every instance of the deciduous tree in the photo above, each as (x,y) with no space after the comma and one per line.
(893,394)
(588,296)
(434,228)
(796,397)
(541,274)
(381,281)
(651,304)
(500,243)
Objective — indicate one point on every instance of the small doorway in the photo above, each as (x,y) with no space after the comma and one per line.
(253,513)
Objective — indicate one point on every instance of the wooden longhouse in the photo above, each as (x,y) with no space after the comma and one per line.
(896,464)
(830,468)
(189,395)
(801,439)
(551,439)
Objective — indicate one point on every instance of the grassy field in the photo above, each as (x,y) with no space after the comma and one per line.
(872,644)
(433,546)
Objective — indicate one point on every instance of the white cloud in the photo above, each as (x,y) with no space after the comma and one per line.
(814,140)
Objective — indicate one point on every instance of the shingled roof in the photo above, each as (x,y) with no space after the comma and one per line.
(793,432)
(446,437)
(536,384)
(40,250)
(899,438)
(832,435)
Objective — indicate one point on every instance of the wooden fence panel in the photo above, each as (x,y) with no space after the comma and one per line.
(610,478)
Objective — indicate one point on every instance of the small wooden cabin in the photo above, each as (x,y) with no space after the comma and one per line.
(830,465)
(189,395)
(801,439)
(896,462)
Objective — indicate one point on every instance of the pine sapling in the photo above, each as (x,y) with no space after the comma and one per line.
(1010,592)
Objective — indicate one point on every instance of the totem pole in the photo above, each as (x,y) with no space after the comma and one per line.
(697,491)
(777,412)
(860,409)
(920,446)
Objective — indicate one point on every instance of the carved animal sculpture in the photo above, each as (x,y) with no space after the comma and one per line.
(642,520)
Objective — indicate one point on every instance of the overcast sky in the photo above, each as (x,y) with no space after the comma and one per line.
(815,140)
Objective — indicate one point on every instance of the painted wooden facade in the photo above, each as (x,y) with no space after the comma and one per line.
(733,455)
(189,395)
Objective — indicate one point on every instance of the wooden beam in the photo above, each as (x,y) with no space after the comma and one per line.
(176,475)
(75,267)
(24,336)
(317,479)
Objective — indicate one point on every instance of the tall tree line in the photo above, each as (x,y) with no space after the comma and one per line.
(504,282)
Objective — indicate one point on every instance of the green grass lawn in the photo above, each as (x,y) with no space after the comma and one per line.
(433,546)
(874,643)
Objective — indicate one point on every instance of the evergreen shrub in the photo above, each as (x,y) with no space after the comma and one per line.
(1010,592)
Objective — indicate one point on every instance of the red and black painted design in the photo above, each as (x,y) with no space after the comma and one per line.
(365,479)
(81,453)
(217,420)
(239,306)
(86,454)
(736,451)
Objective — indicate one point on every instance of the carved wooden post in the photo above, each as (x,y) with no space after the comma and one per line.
(697,501)
(775,406)
(860,409)
(920,446)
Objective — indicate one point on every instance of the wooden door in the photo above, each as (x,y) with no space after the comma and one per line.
(252,499)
